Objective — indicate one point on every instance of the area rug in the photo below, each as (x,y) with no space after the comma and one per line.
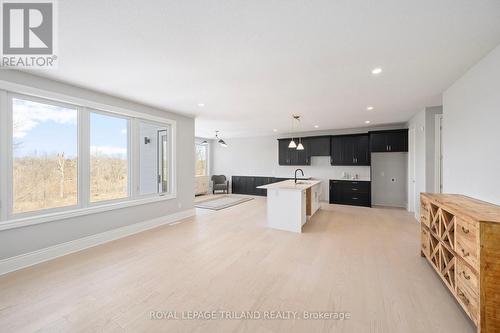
(221,202)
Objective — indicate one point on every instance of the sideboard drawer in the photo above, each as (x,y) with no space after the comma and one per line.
(425,213)
(467,276)
(467,237)
(469,299)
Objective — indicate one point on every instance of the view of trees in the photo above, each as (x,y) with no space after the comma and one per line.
(108,178)
(42,182)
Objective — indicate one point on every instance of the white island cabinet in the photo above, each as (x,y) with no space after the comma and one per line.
(289,204)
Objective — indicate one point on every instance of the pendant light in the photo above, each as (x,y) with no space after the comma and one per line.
(204,143)
(292,143)
(299,146)
(220,141)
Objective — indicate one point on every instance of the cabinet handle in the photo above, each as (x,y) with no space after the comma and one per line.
(465,231)
(354,189)
(465,254)
(387,148)
(467,277)
(390,148)
(462,295)
(354,198)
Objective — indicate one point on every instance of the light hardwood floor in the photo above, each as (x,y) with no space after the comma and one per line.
(358,260)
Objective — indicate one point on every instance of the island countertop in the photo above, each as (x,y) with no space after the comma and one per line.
(290,185)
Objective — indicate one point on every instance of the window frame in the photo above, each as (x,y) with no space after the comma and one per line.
(10,158)
(129,158)
(84,107)
(207,155)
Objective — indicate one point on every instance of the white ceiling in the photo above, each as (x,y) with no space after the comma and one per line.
(254,63)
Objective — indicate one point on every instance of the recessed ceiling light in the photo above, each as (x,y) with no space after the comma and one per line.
(367,121)
(316,126)
(201,105)
(369,108)
(275,130)
(376,71)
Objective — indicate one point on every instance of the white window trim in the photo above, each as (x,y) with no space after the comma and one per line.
(83,207)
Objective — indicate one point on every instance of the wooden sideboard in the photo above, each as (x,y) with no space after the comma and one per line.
(461,240)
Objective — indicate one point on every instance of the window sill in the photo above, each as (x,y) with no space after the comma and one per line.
(32,220)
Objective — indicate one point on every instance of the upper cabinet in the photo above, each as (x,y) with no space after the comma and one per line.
(350,150)
(319,145)
(292,156)
(389,141)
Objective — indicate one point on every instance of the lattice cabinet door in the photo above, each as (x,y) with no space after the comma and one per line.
(447,266)
(435,252)
(447,223)
(435,218)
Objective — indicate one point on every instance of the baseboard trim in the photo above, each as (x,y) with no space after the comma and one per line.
(36,257)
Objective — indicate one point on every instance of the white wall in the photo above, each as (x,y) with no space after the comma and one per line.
(471,134)
(27,239)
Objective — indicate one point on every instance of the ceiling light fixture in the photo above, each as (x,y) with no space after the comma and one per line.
(292,144)
(201,105)
(220,141)
(376,71)
(369,108)
(316,126)
(367,121)
(275,130)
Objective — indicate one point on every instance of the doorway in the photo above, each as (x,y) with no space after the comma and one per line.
(438,157)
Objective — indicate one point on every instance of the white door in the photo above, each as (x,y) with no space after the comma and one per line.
(412,195)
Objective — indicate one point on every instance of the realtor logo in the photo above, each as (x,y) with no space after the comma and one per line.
(28,34)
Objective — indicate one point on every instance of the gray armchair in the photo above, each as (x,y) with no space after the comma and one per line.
(220,183)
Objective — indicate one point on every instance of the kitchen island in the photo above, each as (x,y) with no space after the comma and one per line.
(289,204)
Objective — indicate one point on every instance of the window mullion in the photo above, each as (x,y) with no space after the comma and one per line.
(5,123)
(83,157)
(133,157)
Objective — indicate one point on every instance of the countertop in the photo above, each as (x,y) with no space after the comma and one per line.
(290,185)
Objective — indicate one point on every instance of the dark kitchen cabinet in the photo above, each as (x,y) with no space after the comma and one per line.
(389,141)
(347,192)
(318,145)
(350,150)
(292,156)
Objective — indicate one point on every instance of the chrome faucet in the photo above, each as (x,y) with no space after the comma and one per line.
(296,174)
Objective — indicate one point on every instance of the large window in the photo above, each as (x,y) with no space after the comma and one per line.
(44,156)
(201,159)
(108,157)
(58,158)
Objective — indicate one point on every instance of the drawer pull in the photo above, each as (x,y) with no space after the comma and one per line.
(467,277)
(354,189)
(354,198)
(462,295)
(465,254)
(465,231)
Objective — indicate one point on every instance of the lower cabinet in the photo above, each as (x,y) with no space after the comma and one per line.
(248,184)
(347,192)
